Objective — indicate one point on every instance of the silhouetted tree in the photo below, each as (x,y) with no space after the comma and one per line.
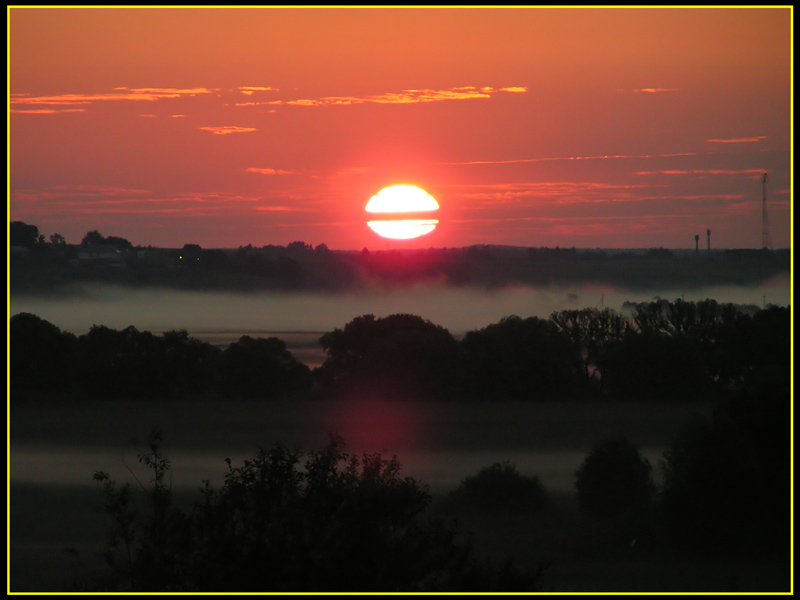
(727,479)
(22,234)
(298,246)
(650,366)
(119,243)
(93,238)
(262,368)
(499,489)
(42,358)
(399,356)
(343,523)
(592,333)
(613,479)
(519,359)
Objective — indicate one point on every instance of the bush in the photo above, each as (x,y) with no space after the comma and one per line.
(499,488)
(343,523)
(613,478)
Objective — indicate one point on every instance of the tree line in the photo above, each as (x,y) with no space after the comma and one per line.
(39,265)
(662,350)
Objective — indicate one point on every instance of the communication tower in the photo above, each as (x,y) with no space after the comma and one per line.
(765,241)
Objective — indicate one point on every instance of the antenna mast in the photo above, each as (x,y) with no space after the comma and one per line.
(765,241)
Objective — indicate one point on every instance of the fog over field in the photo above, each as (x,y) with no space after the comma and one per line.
(459,309)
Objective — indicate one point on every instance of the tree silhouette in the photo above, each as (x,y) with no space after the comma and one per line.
(262,368)
(342,522)
(613,478)
(519,359)
(499,489)
(592,333)
(43,358)
(399,356)
(22,234)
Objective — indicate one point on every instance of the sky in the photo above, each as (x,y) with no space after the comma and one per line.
(584,127)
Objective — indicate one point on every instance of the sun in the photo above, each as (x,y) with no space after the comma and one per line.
(401,207)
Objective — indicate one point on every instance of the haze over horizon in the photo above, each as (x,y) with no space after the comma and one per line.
(572,127)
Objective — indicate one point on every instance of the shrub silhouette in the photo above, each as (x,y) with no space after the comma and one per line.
(499,488)
(342,523)
(613,478)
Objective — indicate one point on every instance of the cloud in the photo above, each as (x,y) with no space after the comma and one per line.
(705,172)
(655,90)
(149,116)
(534,194)
(559,158)
(270,171)
(745,140)
(228,129)
(250,90)
(257,104)
(279,209)
(46,111)
(412,96)
(118,94)
(177,116)
(64,201)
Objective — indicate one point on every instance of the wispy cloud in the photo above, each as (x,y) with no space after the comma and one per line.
(95,200)
(566,158)
(271,171)
(228,129)
(494,195)
(118,94)
(412,96)
(701,172)
(273,208)
(248,90)
(149,116)
(46,111)
(655,90)
(743,140)
(257,104)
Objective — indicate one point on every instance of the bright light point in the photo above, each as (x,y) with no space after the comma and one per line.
(402,198)
(398,202)
(402,230)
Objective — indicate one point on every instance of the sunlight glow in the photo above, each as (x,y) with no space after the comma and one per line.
(403,230)
(401,201)
(402,198)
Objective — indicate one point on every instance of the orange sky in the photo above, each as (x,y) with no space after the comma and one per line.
(532,127)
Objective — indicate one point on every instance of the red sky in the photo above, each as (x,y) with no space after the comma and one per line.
(533,127)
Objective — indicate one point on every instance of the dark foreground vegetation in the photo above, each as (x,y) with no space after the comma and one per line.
(42,265)
(684,350)
(352,523)
(341,523)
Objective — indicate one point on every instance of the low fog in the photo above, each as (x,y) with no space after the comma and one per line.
(458,309)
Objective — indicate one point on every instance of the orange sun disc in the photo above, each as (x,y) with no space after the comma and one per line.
(399,206)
